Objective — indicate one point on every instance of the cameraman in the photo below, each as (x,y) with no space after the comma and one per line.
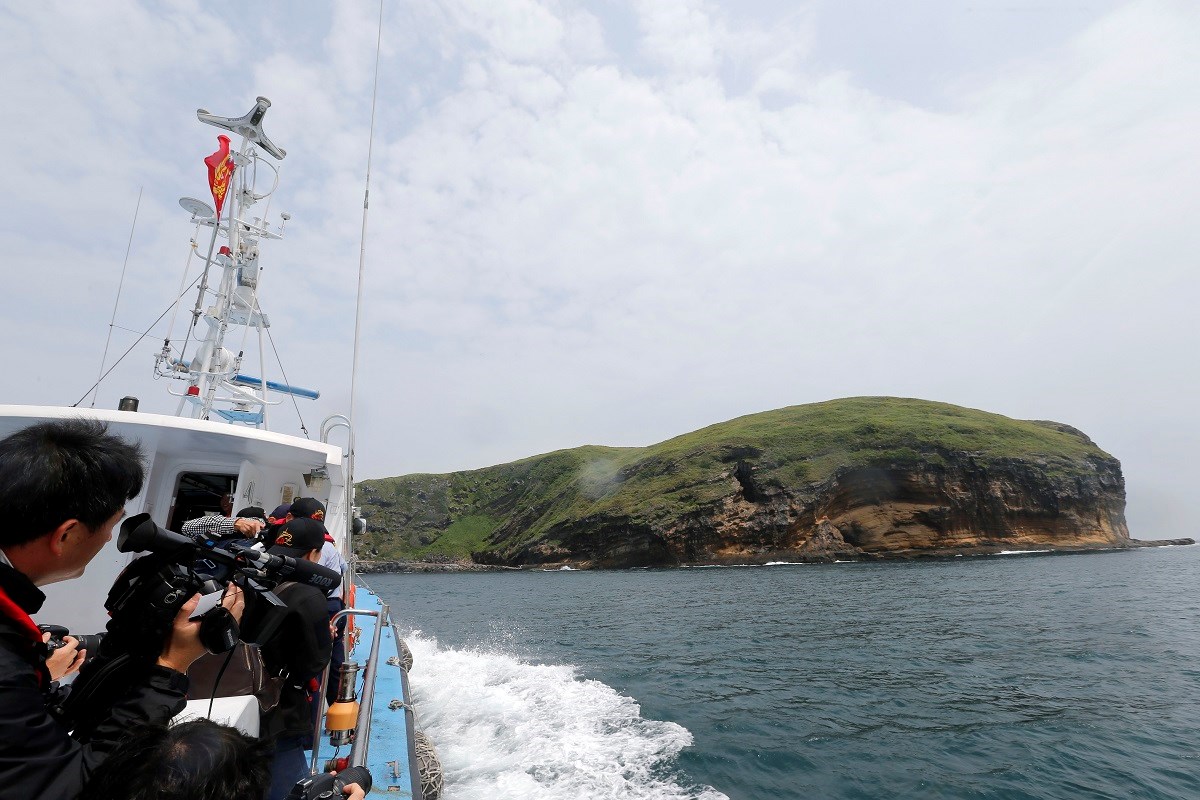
(298,652)
(63,488)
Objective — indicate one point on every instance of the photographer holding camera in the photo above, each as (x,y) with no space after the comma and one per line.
(63,488)
(300,651)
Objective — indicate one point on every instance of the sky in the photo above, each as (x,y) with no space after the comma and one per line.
(616,221)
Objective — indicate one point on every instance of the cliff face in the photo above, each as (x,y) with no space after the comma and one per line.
(958,507)
(852,479)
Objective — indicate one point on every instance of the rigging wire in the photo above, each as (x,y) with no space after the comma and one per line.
(120,286)
(208,260)
(187,263)
(127,330)
(262,359)
(279,361)
(136,343)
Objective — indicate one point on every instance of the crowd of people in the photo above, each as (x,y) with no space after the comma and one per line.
(63,489)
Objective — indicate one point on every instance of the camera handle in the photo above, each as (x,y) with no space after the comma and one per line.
(218,630)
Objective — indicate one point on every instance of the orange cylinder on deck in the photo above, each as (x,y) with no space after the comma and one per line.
(342,716)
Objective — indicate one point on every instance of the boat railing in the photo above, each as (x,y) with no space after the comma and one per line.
(362,728)
(328,426)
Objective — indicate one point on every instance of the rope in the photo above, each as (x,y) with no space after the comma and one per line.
(429,767)
(406,656)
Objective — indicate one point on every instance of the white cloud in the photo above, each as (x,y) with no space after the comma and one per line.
(679,34)
(569,245)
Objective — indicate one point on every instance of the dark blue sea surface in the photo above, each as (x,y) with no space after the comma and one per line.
(1017,676)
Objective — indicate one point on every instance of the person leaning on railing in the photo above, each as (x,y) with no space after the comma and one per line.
(63,488)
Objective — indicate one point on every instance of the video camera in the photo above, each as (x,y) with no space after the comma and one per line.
(147,595)
(179,566)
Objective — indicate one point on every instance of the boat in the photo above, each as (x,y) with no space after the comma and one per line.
(218,443)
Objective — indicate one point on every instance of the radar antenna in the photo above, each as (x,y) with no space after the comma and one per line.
(248,125)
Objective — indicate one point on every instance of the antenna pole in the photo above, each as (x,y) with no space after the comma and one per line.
(120,286)
(362,261)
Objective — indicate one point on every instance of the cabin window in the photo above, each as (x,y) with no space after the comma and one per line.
(199,493)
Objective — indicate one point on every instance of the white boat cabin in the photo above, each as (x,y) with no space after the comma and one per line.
(190,464)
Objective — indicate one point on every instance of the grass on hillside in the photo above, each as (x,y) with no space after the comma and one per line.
(789,447)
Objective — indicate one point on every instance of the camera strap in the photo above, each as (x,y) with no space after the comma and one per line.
(25,624)
(18,615)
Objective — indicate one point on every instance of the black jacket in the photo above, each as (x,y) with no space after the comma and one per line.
(38,759)
(299,650)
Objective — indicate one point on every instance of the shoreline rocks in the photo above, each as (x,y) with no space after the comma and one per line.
(399,567)
(828,549)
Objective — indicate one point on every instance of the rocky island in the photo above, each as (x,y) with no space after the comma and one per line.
(858,478)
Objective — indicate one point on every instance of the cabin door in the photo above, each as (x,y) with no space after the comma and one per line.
(250,489)
(200,493)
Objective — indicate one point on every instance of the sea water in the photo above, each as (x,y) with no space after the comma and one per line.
(1008,676)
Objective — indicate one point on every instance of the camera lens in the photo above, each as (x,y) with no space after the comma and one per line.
(90,642)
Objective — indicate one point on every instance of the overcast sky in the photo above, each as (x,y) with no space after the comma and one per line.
(613,222)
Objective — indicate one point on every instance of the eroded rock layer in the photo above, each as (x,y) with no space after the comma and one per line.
(849,479)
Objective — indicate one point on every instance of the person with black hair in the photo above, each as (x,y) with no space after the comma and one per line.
(195,760)
(63,488)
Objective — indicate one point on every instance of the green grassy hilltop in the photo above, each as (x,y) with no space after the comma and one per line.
(503,508)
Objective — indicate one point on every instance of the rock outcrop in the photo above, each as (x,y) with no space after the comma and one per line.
(853,479)
(956,506)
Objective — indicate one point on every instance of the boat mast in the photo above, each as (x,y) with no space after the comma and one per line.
(215,384)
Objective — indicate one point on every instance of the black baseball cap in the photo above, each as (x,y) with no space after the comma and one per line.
(252,512)
(298,538)
(307,507)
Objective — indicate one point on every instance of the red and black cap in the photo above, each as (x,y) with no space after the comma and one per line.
(298,538)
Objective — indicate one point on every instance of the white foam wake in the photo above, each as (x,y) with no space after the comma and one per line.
(508,729)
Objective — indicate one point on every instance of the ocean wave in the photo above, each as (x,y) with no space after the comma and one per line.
(1019,552)
(509,729)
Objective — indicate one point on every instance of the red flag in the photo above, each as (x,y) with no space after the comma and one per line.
(220,170)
